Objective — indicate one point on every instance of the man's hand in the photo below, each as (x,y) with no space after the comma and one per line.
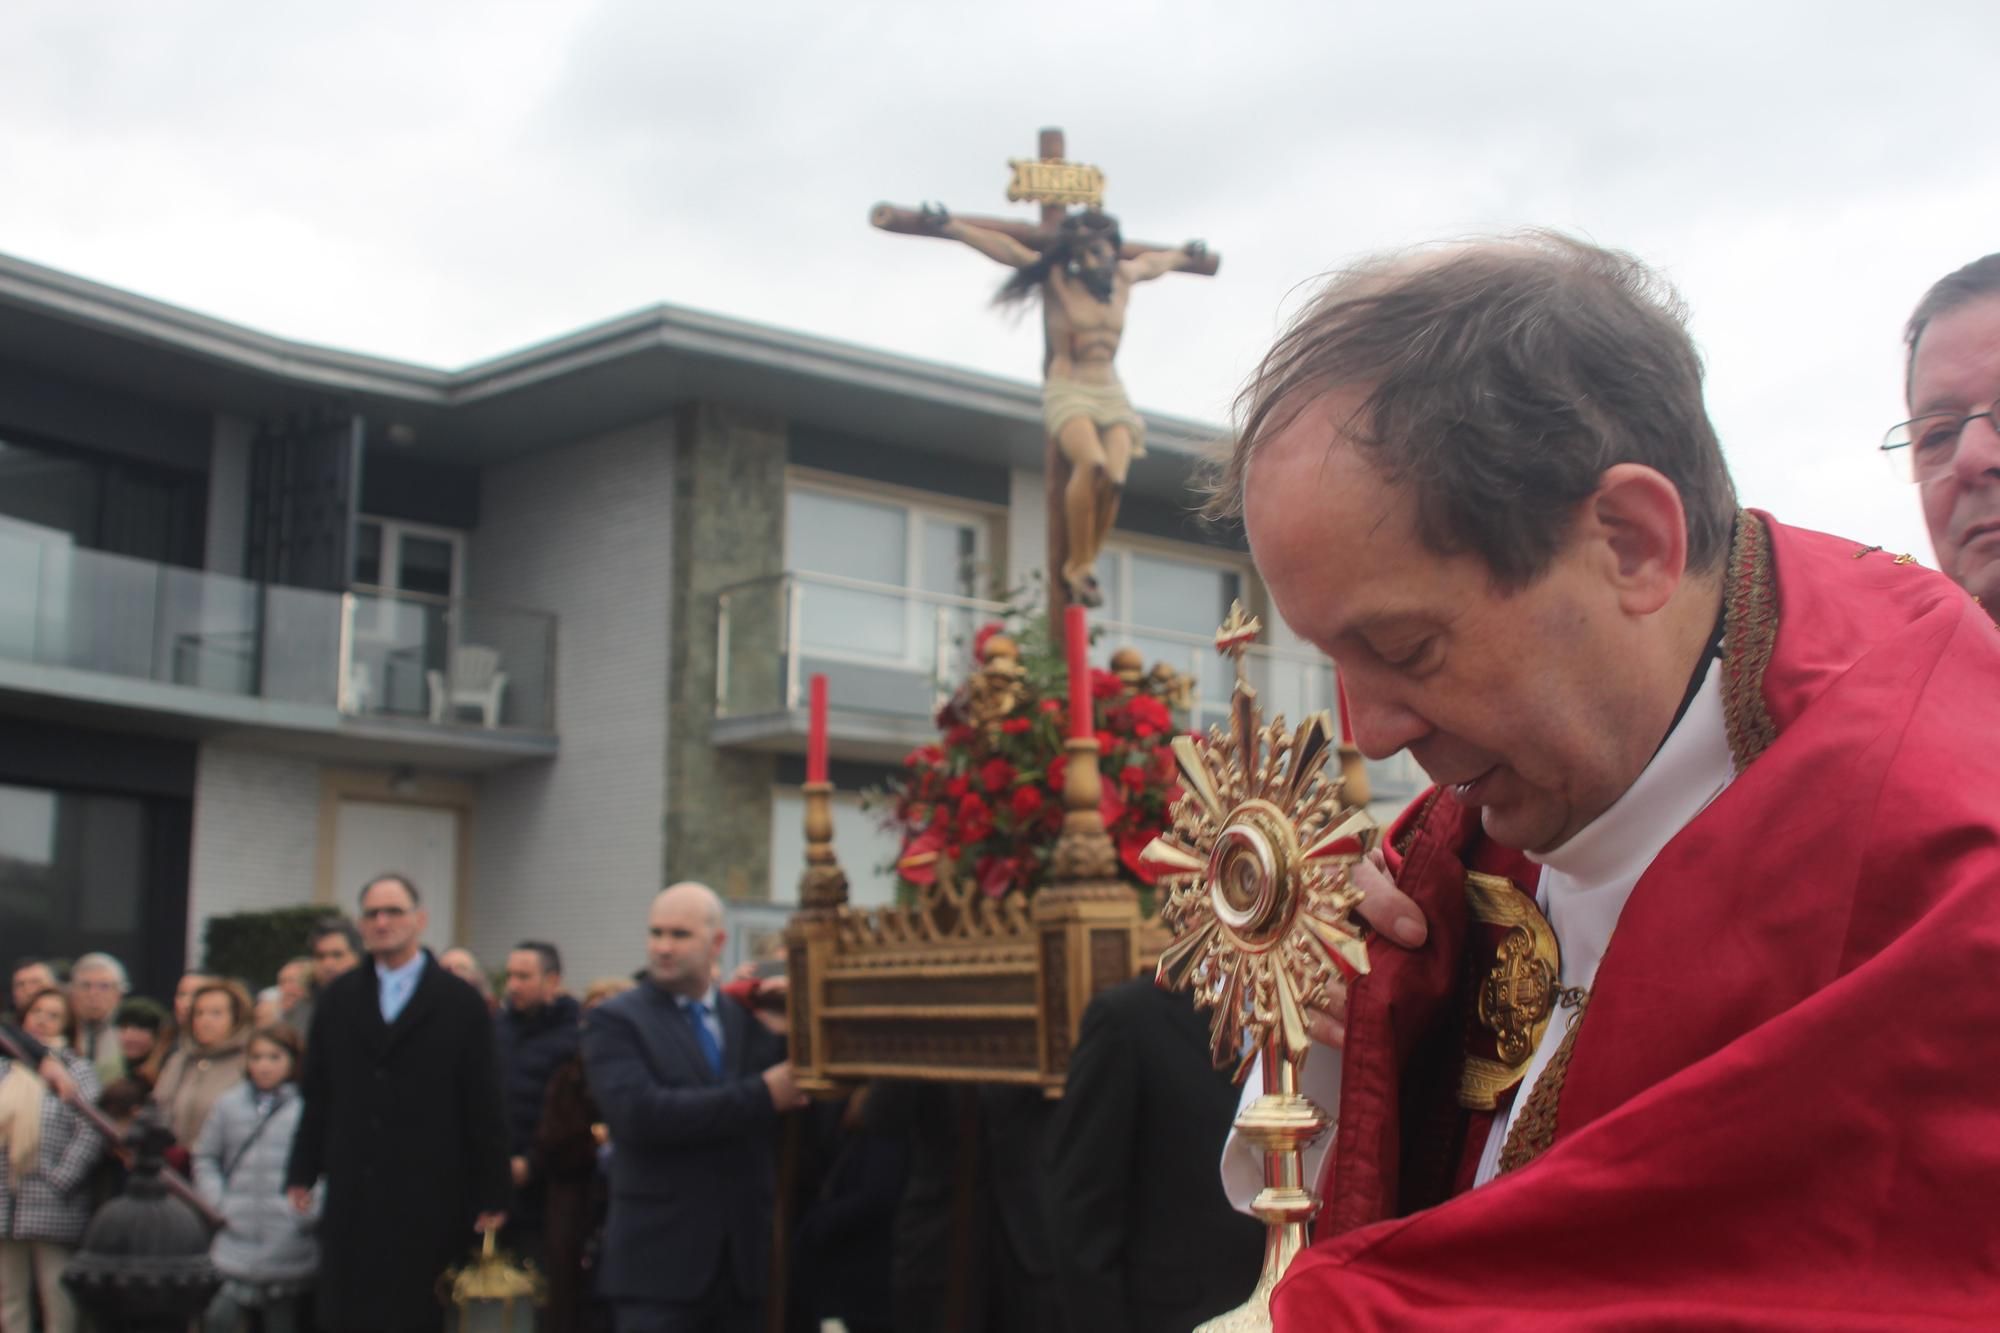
(518,1168)
(300,1198)
(486,1222)
(57,1077)
(1392,913)
(784,1087)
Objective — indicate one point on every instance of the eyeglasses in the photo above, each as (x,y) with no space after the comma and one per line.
(1922,449)
(388,913)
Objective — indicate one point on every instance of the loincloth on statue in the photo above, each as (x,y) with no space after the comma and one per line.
(1063,401)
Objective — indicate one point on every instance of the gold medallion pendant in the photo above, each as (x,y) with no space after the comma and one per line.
(1517,997)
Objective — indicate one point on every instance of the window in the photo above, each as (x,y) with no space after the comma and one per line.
(1186,597)
(406,575)
(83,870)
(866,848)
(404,557)
(105,503)
(873,552)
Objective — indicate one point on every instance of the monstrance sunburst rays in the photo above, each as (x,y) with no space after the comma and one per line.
(1255,872)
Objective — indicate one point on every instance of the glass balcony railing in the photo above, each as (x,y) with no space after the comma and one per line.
(898,652)
(368,653)
(891,651)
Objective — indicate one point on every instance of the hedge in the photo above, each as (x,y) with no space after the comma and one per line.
(252,946)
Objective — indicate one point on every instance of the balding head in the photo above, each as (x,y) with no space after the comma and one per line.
(684,939)
(697,895)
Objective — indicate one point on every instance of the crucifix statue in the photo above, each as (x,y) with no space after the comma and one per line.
(1083,270)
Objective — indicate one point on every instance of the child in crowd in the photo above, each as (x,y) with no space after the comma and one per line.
(266,1252)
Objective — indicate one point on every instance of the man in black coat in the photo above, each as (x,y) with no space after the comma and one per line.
(537,1029)
(1143,1238)
(402,1119)
(690,1085)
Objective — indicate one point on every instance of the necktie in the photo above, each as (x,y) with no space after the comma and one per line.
(697,1013)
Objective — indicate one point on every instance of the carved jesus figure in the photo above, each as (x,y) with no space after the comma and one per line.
(1084,287)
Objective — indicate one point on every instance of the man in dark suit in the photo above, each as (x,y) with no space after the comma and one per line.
(402,1119)
(690,1085)
(1142,1236)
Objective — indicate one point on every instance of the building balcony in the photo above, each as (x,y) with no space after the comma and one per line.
(367,675)
(893,655)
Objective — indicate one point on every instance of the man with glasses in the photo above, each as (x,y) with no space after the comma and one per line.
(402,1120)
(1951,445)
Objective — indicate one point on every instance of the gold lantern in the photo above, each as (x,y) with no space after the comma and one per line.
(1256,871)
(493,1294)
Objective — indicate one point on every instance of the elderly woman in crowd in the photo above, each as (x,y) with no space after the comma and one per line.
(208,1062)
(46,1153)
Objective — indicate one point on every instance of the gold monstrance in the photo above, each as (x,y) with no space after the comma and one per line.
(1256,872)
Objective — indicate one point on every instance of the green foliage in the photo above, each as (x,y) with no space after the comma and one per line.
(252,946)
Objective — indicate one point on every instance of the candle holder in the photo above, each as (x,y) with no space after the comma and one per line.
(1257,875)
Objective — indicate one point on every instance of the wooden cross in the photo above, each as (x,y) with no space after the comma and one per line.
(1049,174)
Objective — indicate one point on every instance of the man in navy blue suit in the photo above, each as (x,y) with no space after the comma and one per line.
(690,1085)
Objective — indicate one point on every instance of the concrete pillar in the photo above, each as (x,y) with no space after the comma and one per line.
(729,526)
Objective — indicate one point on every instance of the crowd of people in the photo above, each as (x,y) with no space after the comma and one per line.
(645,1146)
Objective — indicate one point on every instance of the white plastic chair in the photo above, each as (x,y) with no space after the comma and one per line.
(476,682)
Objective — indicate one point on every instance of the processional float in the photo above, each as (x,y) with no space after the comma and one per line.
(1255,898)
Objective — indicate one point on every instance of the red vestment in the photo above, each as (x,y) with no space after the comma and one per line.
(1783,1106)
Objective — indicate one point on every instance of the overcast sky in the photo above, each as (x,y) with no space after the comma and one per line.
(444,181)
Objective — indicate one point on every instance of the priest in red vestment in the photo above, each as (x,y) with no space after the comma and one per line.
(1685,1011)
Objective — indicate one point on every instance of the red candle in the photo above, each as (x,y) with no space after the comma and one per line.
(1346,726)
(816,733)
(1076,638)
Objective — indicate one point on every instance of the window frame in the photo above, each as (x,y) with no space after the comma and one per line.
(918,507)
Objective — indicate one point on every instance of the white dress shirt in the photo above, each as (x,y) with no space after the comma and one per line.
(397,984)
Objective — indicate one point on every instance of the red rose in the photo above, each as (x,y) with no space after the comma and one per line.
(1105,685)
(1014,726)
(1106,742)
(979,640)
(996,775)
(1024,803)
(957,787)
(1134,778)
(1058,770)
(975,819)
(1149,716)
(959,736)
(1050,705)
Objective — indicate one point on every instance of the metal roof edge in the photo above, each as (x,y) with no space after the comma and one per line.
(34,287)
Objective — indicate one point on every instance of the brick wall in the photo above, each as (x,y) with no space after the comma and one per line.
(571,850)
(256,834)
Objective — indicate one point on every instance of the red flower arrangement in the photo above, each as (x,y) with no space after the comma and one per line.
(986,803)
